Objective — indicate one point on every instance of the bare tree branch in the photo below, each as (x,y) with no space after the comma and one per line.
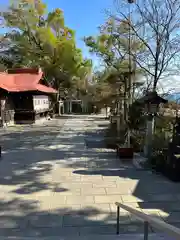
(155,25)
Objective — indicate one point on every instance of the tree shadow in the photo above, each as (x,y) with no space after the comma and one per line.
(22,218)
(26,168)
(153,193)
(27,157)
(30,154)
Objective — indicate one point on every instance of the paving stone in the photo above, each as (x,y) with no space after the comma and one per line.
(118,191)
(108,199)
(79,199)
(113,208)
(172,206)
(130,198)
(41,232)
(9,222)
(99,208)
(38,194)
(111,229)
(72,185)
(104,184)
(8,189)
(127,187)
(79,220)
(109,218)
(126,182)
(93,191)
(72,192)
(164,206)
(18,233)
(64,171)
(6,196)
(133,228)
(111,178)
(45,220)
(132,205)
(177,196)
(100,230)
(92,178)
(163,197)
(172,217)
(135,220)
(66,209)
(56,199)
(67,179)
(52,202)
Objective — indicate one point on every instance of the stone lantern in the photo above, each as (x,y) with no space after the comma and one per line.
(151,103)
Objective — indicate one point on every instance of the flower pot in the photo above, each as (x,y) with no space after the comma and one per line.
(126,152)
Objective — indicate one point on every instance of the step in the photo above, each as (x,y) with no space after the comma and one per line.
(153,236)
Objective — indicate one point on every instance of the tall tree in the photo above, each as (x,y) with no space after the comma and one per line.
(42,39)
(112,46)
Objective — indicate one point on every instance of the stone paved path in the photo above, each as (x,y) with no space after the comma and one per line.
(58,180)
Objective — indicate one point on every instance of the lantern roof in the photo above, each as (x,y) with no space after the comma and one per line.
(152,97)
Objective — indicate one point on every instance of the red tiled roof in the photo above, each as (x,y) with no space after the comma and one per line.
(23,81)
(43,88)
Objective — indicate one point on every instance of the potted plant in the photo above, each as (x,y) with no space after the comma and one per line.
(126,151)
(135,120)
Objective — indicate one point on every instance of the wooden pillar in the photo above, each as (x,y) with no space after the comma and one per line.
(68,106)
(82,107)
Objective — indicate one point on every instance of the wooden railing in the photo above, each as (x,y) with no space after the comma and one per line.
(148,220)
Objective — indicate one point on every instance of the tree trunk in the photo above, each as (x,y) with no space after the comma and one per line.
(125,101)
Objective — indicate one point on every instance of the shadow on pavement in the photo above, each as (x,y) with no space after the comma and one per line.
(29,156)
(23,219)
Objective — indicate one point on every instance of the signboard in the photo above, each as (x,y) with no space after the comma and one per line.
(41,103)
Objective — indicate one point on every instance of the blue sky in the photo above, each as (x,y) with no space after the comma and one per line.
(83,16)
